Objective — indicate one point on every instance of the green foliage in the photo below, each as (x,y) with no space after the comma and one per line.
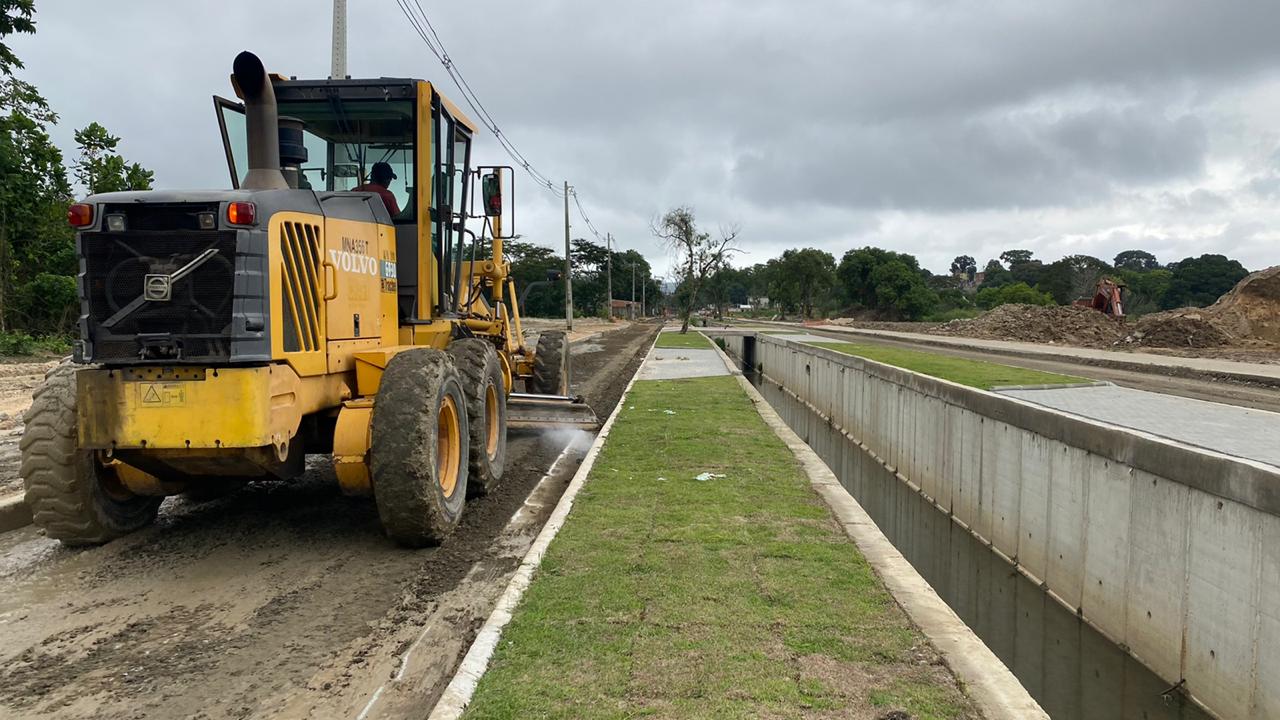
(955,313)
(799,278)
(964,265)
(1136,260)
(1201,281)
(887,282)
(1144,290)
(1019,292)
(100,169)
(1014,258)
(21,343)
(16,16)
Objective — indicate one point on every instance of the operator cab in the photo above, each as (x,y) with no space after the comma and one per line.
(349,125)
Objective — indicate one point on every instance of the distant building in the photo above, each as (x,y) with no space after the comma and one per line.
(624,309)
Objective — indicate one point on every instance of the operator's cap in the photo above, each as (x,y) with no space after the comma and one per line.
(382,170)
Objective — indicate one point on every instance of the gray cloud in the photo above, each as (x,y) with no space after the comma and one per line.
(931,127)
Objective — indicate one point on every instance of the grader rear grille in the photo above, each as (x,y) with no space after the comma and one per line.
(300,259)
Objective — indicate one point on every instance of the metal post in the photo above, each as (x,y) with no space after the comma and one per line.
(338,71)
(608,246)
(568,264)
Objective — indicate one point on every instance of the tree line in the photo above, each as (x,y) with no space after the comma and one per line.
(540,271)
(37,246)
(883,284)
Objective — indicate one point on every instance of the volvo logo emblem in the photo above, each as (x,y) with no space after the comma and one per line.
(157,288)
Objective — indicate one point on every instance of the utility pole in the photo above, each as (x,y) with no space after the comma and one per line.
(338,71)
(568,264)
(644,288)
(608,246)
(633,289)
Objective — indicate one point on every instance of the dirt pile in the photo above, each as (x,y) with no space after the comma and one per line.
(1247,316)
(1065,325)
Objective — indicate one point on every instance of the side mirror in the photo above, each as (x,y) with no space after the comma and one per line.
(497,192)
(492,189)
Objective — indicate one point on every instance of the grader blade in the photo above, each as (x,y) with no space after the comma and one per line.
(527,410)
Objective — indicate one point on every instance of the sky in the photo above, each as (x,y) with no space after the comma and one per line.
(931,127)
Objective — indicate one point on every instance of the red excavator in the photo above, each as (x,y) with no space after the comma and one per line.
(1106,298)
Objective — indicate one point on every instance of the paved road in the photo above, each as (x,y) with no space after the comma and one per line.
(282,600)
(1237,431)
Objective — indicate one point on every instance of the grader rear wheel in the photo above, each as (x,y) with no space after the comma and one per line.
(481,372)
(73,497)
(551,364)
(418,456)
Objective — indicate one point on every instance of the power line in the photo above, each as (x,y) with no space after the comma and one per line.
(423,27)
(583,213)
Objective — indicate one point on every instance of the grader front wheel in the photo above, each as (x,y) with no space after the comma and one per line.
(73,497)
(551,364)
(481,372)
(418,455)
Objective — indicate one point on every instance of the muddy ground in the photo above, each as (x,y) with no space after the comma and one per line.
(282,600)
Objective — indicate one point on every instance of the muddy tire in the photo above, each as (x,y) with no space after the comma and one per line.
(72,496)
(418,455)
(551,364)
(481,372)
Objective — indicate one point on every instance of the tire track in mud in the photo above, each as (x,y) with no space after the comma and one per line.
(280,600)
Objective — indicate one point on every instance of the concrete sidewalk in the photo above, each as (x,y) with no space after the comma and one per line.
(700,572)
(1146,362)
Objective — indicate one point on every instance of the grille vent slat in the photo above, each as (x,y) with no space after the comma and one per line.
(300,260)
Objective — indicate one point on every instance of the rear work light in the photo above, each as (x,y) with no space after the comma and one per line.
(80,215)
(242,213)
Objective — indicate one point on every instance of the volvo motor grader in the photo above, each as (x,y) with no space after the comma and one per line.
(226,334)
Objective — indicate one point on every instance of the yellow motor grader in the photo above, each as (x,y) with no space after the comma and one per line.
(225,334)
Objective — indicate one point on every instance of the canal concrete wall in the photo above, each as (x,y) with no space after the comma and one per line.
(1171,552)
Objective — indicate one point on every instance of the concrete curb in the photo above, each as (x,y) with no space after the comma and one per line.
(457,695)
(14,512)
(992,686)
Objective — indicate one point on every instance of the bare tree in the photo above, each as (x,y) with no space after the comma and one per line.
(699,255)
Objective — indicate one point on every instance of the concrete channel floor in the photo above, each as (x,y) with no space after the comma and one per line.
(1236,431)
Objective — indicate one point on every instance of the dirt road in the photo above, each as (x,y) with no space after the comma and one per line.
(279,600)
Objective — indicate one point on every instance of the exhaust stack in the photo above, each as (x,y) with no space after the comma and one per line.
(261,124)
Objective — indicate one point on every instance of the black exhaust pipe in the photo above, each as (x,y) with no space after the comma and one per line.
(261,124)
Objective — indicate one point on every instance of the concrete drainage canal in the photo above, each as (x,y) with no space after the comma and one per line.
(1074,671)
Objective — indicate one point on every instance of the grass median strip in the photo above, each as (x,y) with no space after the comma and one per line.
(691,339)
(735,595)
(974,373)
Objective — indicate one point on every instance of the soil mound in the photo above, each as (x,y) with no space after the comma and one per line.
(1187,327)
(1065,324)
(1251,310)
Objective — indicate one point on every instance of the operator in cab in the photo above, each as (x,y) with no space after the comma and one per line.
(379,178)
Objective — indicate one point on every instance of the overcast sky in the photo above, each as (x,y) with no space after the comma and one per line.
(932,127)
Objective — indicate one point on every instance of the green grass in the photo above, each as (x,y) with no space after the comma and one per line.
(734,597)
(690,339)
(974,373)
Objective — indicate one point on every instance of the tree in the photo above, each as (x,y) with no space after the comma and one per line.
(99,169)
(1018,292)
(1074,276)
(1201,281)
(698,255)
(16,16)
(1144,290)
(1015,257)
(887,282)
(995,276)
(803,276)
(531,263)
(964,265)
(1136,260)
